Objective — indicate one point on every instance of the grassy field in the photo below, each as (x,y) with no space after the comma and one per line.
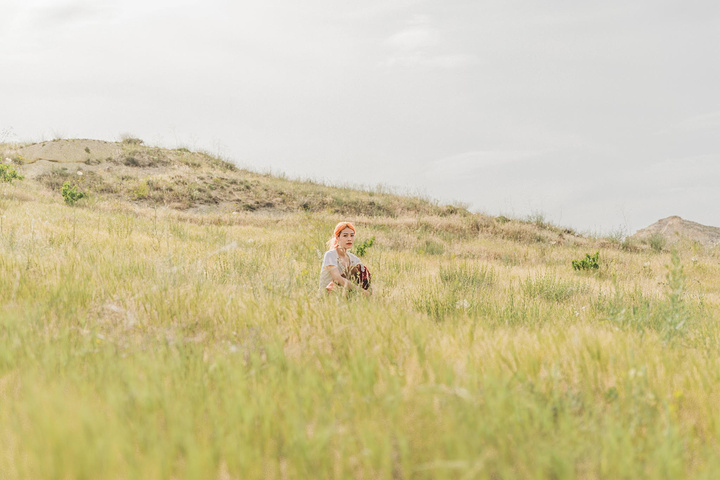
(141,341)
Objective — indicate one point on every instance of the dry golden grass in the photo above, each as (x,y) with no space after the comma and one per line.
(139,340)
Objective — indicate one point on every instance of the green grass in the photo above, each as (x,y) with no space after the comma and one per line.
(149,343)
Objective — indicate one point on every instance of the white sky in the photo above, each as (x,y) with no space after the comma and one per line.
(603,116)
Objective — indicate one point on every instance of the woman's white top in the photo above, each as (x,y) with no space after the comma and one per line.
(332,259)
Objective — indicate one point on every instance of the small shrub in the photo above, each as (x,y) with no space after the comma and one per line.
(657,242)
(617,236)
(590,262)
(538,218)
(128,139)
(361,249)
(131,161)
(87,149)
(71,194)
(458,208)
(522,233)
(142,191)
(93,182)
(191,162)
(628,245)
(143,159)
(8,174)
(55,178)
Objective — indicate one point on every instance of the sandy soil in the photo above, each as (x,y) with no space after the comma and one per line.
(68,151)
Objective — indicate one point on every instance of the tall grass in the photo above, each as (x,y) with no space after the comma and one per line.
(146,344)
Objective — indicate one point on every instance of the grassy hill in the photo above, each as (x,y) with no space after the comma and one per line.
(183,180)
(169,326)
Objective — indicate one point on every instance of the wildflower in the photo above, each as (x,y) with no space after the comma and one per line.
(79,173)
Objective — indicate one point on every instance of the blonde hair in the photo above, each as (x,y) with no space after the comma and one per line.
(333,242)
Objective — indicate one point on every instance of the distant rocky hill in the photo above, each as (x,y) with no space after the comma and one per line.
(674,229)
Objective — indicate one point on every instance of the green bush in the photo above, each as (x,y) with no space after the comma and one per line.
(361,249)
(8,174)
(71,194)
(590,262)
(141,191)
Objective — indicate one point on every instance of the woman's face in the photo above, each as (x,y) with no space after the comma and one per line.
(346,239)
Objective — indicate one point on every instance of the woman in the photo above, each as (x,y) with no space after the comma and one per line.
(340,267)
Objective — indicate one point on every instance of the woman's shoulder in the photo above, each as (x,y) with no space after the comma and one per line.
(354,258)
(331,253)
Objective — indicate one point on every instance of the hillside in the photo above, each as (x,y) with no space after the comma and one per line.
(198,183)
(182,180)
(154,330)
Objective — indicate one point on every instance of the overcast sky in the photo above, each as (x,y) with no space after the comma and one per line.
(600,115)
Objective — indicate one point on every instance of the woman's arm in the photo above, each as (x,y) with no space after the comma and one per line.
(337,278)
(349,285)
